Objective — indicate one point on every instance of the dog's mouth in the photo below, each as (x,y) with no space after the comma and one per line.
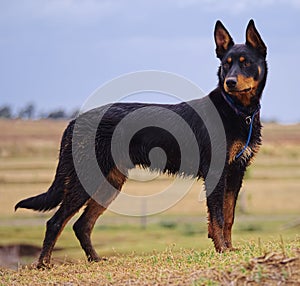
(246,89)
(243,95)
(235,91)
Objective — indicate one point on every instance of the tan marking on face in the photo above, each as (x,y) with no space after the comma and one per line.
(242,59)
(240,91)
(259,70)
(246,82)
(229,60)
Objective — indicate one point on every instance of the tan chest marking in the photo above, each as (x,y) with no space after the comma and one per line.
(237,147)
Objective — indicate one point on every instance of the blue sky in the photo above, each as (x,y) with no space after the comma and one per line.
(56,53)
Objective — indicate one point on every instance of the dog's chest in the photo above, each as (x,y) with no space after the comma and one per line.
(248,154)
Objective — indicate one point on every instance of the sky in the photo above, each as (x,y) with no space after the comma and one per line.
(56,53)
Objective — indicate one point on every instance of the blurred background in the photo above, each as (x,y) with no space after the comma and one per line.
(54,54)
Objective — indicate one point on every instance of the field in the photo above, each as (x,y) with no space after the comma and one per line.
(166,248)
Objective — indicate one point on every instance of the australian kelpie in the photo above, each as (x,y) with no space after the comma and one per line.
(242,77)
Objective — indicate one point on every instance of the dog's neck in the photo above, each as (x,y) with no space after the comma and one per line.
(243,111)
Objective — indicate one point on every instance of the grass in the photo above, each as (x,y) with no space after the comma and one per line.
(112,234)
(265,263)
(168,248)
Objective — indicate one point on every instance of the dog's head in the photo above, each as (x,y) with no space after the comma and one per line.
(243,70)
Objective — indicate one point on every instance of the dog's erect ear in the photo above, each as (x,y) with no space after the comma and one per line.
(223,40)
(254,40)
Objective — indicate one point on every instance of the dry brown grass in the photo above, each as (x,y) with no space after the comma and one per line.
(173,267)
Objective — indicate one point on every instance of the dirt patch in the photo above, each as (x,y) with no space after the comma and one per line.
(11,255)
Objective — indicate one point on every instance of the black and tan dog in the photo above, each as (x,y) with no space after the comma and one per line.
(242,77)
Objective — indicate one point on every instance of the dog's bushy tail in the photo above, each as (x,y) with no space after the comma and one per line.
(53,197)
(43,202)
(50,199)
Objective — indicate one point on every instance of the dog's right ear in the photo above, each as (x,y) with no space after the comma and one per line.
(223,40)
(254,40)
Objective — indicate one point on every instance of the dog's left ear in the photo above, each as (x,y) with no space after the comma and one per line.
(254,40)
(223,40)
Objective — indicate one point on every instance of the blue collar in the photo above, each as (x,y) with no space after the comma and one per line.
(241,110)
(249,118)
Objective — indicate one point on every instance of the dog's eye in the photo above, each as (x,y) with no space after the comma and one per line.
(226,66)
(246,64)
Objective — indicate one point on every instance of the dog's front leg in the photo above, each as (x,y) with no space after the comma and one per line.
(229,207)
(234,180)
(215,200)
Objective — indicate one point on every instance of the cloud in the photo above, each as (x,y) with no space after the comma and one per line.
(93,10)
(235,7)
(88,9)
(57,11)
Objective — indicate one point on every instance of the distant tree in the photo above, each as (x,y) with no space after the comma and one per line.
(57,114)
(74,114)
(5,112)
(27,112)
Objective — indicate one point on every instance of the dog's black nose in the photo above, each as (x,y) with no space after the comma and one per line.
(231,82)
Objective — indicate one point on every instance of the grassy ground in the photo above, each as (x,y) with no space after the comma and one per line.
(171,247)
(270,263)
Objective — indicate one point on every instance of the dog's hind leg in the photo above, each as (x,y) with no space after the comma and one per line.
(84,225)
(72,202)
